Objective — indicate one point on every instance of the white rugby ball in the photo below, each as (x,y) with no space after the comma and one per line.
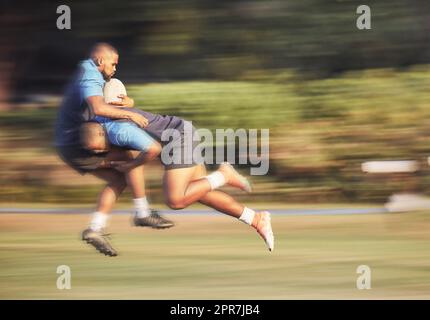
(112,89)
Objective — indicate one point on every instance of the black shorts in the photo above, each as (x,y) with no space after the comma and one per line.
(180,147)
(81,159)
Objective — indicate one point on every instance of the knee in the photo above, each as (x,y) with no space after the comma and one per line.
(119,185)
(132,154)
(154,150)
(176,204)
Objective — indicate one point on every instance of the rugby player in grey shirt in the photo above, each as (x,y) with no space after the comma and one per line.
(186,180)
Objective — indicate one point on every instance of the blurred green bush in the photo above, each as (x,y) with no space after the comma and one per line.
(320,133)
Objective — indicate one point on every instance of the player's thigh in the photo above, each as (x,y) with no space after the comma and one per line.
(199,172)
(176,182)
(137,138)
(121,154)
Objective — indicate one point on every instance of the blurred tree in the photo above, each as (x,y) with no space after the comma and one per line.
(202,39)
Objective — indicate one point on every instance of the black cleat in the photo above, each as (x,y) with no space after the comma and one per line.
(154,220)
(99,241)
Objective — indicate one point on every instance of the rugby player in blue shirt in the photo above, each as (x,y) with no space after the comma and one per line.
(82,102)
(185,181)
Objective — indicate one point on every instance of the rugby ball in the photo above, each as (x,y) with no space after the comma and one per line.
(112,89)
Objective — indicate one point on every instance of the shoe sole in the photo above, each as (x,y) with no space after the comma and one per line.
(271,229)
(273,236)
(105,252)
(154,227)
(166,226)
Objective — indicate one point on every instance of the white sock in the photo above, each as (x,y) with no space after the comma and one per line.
(98,221)
(247,216)
(142,207)
(216,180)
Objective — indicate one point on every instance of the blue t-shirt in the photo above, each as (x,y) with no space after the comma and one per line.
(74,110)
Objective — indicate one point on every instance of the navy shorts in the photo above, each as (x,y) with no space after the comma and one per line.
(81,159)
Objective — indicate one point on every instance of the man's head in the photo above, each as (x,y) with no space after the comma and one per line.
(106,59)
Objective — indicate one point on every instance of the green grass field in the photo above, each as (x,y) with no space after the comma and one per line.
(215,257)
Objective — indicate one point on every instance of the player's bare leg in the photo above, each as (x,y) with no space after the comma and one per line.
(182,188)
(144,216)
(218,200)
(94,234)
(224,203)
(187,185)
(115,186)
(134,172)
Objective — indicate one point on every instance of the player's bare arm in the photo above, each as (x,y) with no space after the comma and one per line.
(126,101)
(103,109)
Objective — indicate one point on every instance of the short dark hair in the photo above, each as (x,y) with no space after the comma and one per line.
(102,46)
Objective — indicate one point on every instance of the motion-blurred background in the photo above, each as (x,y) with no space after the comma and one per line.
(333,96)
